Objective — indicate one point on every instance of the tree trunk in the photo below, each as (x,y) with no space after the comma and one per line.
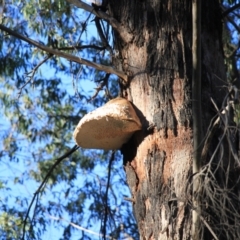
(158,161)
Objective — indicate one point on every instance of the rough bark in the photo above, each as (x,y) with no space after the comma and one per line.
(158,162)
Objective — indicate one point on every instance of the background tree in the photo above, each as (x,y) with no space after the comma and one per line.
(151,51)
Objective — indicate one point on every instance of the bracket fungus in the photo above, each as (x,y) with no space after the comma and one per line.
(108,127)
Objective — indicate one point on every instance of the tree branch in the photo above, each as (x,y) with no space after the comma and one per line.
(102,36)
(123,32)
(231,9)
(104,223)
(81,47)
(32,73)
(79,227)
(66,55)
(233,23)
(104,83)
(57,161)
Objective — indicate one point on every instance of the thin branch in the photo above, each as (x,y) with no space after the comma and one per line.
(209,135)
(236,14)
(57,161)
(104,83)
(215,122)
(104,225)
(123,32)
(233,23)
(231,9)
(74,78)
(32,74)
(129,199)
(84,27)
(234,49)
(102,35)
(66,55)
(79,227)
(82,47)
(209,228)
(226,125)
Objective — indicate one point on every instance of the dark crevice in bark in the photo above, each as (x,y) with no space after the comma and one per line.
(165,119)
(130,148)
(180,59)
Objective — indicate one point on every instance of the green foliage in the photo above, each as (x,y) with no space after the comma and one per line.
(41,104)
(10,225)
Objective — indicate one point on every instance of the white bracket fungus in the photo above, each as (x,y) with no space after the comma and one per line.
(108,127)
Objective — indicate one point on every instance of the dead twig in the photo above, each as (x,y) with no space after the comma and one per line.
(80,228)
(67,154)
(209,228)
(78,47)
(32,73)
(104,83)
(220,181)
(230,10)
(120,28)
(104,223)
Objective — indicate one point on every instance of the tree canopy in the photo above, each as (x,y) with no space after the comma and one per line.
(57,61)
(43,96)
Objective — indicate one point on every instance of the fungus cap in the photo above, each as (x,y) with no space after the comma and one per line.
(108,127)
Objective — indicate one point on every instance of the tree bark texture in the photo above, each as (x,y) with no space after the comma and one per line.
(158,161)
